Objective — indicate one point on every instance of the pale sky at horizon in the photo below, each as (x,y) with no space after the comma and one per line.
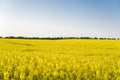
(52,18)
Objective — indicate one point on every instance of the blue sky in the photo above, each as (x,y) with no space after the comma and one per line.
(51,18)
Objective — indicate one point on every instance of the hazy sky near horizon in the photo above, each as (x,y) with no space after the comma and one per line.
(51,18)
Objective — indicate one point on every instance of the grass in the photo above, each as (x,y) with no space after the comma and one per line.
(59,59)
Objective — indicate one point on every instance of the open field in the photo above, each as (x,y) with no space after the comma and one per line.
(59,59)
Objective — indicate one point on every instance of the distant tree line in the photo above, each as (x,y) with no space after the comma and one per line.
(57,38)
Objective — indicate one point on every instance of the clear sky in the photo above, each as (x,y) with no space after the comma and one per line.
(51,18)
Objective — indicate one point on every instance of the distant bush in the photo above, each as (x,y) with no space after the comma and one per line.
(57,38)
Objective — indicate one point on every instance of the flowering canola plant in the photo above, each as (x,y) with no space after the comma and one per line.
(59,59)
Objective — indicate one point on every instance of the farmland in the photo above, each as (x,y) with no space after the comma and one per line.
(24,59)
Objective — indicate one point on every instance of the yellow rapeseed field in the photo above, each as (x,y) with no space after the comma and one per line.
(59,59)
